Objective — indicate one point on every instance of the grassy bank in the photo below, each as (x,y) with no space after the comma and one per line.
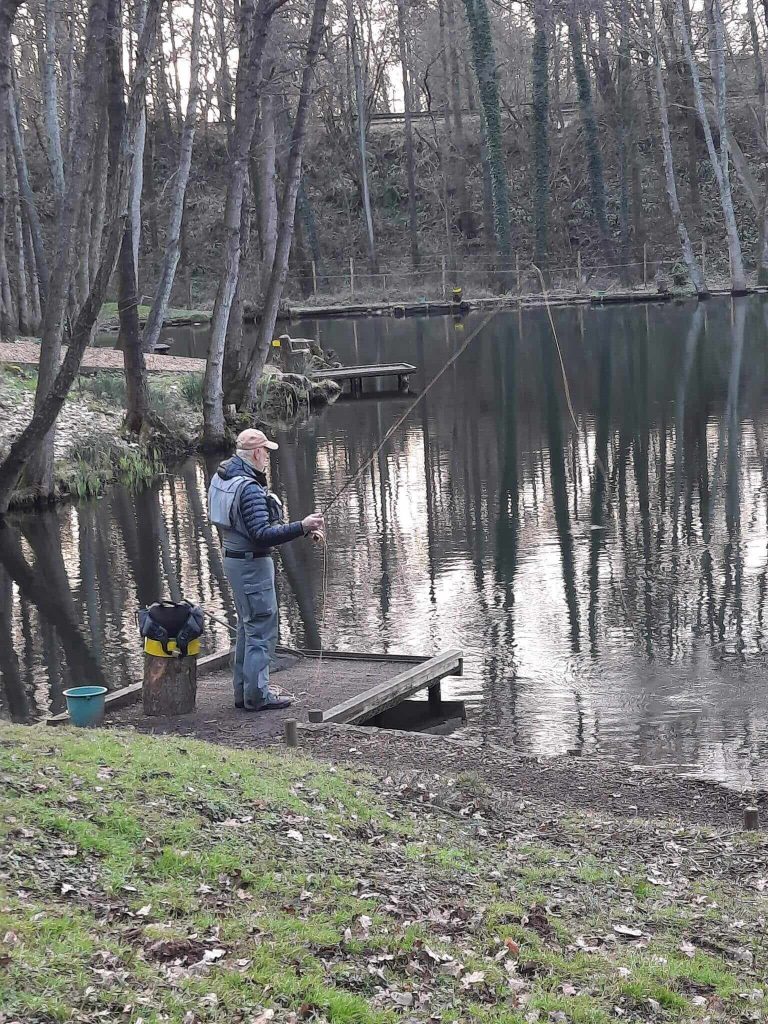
(109,320)
(168,880)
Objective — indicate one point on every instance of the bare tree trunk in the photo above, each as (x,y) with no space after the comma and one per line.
(362,131)
(288,208)
(254,25)
(129,338)
(694,270)
(762,138)
(27,196)
(223,81)
(466,218)
(52,400)
(176,215)
(7,15)
(266,192)
(719,161)
(47,51)
(410,162)
(98,203)
(22,294)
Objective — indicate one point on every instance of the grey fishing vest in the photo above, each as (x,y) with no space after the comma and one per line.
(224,511)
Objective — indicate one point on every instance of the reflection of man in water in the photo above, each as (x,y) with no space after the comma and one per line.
(249,518)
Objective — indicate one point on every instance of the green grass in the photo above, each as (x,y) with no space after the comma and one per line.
(170,880)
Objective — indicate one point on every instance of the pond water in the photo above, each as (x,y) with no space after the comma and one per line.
(607,579)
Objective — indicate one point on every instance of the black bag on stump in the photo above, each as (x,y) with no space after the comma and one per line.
(169,620)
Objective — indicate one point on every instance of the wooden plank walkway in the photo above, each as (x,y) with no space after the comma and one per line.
(27,353)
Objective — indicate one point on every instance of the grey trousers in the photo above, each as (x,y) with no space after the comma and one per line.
(253,587)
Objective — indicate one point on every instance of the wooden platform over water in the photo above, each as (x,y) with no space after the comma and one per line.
(314,684)
(355,375)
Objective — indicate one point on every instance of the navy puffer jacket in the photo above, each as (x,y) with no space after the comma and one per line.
(264,529)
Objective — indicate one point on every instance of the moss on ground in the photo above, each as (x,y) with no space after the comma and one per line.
(162,879)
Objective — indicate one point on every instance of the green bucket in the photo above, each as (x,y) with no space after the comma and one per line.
(85,705)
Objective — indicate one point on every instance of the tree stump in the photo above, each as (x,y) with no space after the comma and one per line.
(170,685)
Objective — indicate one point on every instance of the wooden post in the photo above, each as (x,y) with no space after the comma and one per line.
(352,274)
(517,272)
(578,270)
(291,732)
(384,283)
(645,264)
(170,685)
(434,694)
(751,819)
(314,278)
(442,267)
(704,261)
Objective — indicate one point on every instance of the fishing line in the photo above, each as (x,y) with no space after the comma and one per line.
(598,460)
(368,461)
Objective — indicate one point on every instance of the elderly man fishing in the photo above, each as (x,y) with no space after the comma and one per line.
(249,518)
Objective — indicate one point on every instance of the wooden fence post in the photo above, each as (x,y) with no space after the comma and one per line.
(517,273)
(704,261)
(442,267)
(645,264)
(314,278)
(578,270)
(352,274)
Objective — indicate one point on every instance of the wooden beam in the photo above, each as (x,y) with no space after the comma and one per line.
(392,691)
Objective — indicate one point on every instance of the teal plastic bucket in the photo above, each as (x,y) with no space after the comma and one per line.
(85,705)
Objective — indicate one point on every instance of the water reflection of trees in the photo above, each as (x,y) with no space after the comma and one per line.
(589,575)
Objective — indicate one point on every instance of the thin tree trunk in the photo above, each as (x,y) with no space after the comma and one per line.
(694,270)
(22,294)
(223,81)
(7,14)
(137,392)
(466,218)
(362,142)
(27,195)
(762,139)
(47,50)
(719,162)
(540,120)
(591,138)
(98,203)
(266,192)
(288,208)
(175,218)
(410,160)
(254,25)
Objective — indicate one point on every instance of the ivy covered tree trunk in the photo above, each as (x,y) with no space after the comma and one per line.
(484,59)
(540,126)
(591,139)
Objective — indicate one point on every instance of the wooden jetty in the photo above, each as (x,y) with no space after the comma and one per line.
(339,687)
(357,374)
(380,698)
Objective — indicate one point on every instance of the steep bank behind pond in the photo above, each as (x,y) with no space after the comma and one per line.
(147,879)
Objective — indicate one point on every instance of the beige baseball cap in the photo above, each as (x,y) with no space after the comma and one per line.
(251,438)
